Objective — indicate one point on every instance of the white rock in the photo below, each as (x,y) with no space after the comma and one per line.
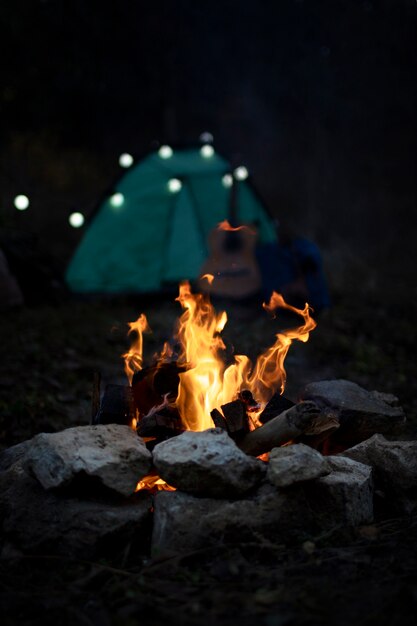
(208,463)
(295,463)
(110,453)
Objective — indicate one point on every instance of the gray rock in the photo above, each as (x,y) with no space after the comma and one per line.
(10,456)
(345,495)
(395,468)
(207,463)
(112,454)
(361,413)
(183,522)
(296,463)
(33,520)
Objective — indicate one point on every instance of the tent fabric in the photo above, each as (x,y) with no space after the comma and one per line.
(157,237)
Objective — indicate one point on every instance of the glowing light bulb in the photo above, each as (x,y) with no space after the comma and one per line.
(241,173)
(125,160)
(21,202)
(76,219)
(117,199)
(174,185)
(227,180)
(165,152)
(207,151)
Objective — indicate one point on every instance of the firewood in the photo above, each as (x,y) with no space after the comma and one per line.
(275,406)
(236,419)
(288,425)
(218,419)
(116,406)
(160,423)
(321,431)
(152,383)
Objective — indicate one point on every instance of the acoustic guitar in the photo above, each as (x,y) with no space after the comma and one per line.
(231,270)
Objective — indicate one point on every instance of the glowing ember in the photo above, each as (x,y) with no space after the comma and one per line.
(207,382)
(153,483)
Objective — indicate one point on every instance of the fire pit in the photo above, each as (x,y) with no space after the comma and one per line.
(202,448)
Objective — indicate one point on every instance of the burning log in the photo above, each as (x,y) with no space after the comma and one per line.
(236,419)
(303,418)
(275,406)
(218,419)
(151,384)
(161,424)
(117,406)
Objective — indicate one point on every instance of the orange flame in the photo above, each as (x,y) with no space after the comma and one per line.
(153,483)
(269,372)
(225,225)
(207,382)
(134,357)
(209,278)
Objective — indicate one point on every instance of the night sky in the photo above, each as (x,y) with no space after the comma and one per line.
(317,98)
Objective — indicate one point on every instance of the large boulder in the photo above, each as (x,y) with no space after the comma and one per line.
(293,464)
(207,463)
(111,454)
(361,413)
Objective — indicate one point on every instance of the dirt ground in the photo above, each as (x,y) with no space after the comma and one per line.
(369,576)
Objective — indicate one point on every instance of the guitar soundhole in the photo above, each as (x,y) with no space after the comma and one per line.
(233,241)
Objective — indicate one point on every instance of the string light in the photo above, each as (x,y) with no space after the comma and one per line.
(21,202)
(174,185)
(241,172)
(207,151)
(125,160)
(165,152)
(227,180)
(117,199)
(76,219)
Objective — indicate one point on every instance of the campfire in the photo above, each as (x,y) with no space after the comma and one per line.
(202,446)
(191,387)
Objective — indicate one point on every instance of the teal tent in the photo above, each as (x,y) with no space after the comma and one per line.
(151,231)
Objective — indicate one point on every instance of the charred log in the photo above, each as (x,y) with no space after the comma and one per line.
(277,404)
(161,424)
(237,421)
(152,383)
(301,419)
(218,419)
(116,407)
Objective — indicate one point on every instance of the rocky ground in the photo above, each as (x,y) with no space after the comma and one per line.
(48,356)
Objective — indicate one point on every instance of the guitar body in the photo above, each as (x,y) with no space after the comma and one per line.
(232,263)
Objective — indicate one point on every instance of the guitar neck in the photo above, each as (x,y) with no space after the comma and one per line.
(233,204)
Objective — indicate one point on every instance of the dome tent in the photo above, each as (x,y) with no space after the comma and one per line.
(151,231)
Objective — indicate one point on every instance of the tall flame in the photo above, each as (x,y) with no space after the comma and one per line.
(207,382)
(134,357)
(269,372)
